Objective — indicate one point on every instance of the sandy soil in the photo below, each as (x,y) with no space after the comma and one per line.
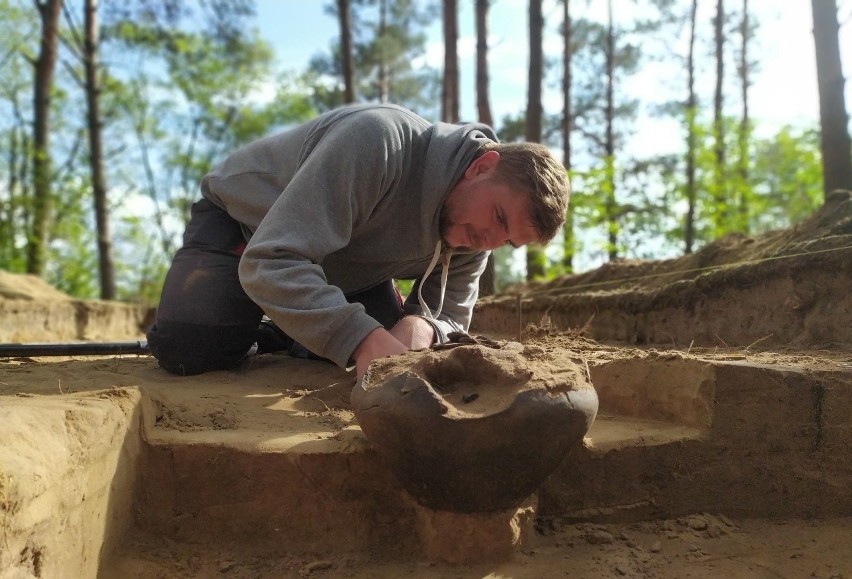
(280,405)
(736,459)
(700,547)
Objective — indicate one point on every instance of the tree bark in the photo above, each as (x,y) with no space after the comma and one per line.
(450,86)
(691,113)
(344,17)
(384,82)
(833,117)
(106,266)
(536,73)
(720,197)
(569,242)
(611,205)
(483,104)
(487,284)
(744,135)
(535,255)
(43,86)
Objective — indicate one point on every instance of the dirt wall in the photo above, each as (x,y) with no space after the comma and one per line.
(67,472)
(787,287)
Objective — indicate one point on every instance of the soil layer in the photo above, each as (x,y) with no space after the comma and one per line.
(723,444)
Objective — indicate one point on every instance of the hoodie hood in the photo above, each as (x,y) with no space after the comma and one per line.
(450,145)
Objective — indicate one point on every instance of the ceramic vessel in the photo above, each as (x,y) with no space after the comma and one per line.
(473,428)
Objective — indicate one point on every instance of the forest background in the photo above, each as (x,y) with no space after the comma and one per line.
(112,113)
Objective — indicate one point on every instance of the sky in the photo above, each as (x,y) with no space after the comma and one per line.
(784,89)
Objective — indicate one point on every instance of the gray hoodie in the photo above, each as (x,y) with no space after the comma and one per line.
(340,204)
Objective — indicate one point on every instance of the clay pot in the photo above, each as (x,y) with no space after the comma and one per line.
(473,428)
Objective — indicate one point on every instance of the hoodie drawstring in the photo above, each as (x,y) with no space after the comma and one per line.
(444,273)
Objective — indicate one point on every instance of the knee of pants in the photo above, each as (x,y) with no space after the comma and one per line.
(188,349)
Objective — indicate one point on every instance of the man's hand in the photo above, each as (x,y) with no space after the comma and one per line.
(414,332)
(378,344)
(409,333)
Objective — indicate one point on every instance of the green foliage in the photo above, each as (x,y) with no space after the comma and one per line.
(183,84)
(777,182)
(786,179)
(650,208)
(29,223)
(592,205)
(206,84)
(392,48)
(195,98)
(72,263)
(772,183)
(506,267)
(404,286)
(536,263)
(589,83)
(140,268)
(512,128)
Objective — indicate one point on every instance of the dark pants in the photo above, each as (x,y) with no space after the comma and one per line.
(205,321)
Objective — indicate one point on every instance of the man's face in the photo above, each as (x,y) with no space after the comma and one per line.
(481,213)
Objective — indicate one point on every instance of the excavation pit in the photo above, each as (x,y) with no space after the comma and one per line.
(721,447)
(111,467)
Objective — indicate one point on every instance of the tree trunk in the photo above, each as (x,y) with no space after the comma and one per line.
(536,73)
(99,190)
(744,135)
(344,17)
(611,206)
(483,106)
(384,83)
(691,113)
(833,118)
(450,86)
(720,197)
(535,255)
(569,242)
(43,86)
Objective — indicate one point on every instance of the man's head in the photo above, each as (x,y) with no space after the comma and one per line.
(512,193)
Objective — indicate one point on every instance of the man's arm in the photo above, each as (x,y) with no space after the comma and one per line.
(337,186)
(414,332)
(378,344)
(410,333)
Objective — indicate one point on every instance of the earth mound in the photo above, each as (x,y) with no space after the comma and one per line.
(786,287)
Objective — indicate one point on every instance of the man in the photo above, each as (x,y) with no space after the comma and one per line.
(311,226)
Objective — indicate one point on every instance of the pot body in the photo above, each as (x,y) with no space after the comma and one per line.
(450,460)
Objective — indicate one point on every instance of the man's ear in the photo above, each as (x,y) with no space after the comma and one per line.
(482,164)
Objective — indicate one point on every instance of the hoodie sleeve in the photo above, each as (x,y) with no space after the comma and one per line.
(459,297)
(340,179)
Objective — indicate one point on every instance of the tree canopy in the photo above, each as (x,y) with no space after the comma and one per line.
(173,86)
